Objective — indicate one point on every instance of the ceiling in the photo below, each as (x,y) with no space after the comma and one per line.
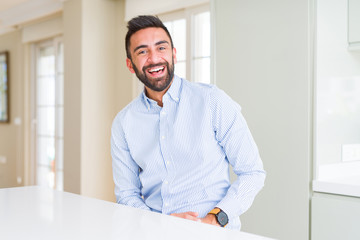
(7,4)
(16,13)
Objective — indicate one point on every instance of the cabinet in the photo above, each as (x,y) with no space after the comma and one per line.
(354,24)
(335,217)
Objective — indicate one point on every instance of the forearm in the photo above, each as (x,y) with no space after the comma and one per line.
(242,192)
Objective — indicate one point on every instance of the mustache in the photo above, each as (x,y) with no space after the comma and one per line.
(155,65)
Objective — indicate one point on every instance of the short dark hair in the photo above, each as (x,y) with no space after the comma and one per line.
(142,22)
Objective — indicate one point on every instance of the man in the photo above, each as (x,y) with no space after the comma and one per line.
(172,145)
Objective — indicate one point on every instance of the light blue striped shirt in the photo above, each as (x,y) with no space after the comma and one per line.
(175,158)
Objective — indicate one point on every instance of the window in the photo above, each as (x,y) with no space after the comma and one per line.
(177,29)
(201,47)
(48,113)
(190,30)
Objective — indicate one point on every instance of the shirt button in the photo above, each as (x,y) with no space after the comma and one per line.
(166,204)
(162,137)
(163,113)
(167,162)
(166,182)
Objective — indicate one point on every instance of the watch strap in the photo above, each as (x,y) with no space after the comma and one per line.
(215,211)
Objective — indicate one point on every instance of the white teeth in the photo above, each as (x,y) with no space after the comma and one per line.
(156,69)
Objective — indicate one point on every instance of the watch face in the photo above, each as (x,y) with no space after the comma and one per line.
(222,218)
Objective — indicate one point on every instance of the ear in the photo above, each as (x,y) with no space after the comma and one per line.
(129,65)
(174,55)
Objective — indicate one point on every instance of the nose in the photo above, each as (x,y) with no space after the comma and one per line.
(152,57)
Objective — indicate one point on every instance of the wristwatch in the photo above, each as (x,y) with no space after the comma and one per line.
(221,216)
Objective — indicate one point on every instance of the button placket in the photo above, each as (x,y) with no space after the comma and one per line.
(165,140)
(164,151)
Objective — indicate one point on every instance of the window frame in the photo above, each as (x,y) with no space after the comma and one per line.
(34,48)
(188,15)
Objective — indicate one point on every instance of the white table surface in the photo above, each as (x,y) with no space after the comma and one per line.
(41,213)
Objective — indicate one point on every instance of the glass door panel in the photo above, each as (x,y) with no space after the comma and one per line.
(49,110)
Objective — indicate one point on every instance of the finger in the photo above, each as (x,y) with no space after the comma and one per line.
(187,215)
(175,214)
(190,217)
(181,215)
(194,214)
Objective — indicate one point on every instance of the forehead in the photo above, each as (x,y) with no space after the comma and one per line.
(148,36)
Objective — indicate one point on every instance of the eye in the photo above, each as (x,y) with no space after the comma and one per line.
(161,48)
(141,52)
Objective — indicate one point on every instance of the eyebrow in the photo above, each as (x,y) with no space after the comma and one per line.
(161,42)
(156,44)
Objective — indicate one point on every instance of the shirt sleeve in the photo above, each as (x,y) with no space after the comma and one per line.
(233,135)
(125,170)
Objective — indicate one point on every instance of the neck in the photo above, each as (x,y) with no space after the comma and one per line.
(155,95)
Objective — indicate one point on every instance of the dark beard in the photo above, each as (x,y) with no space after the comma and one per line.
(145,80)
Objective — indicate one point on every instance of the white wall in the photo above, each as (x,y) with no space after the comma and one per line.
(262,61)
(97,96)
(97,85)
(11,135)
(124,79)
(72,17)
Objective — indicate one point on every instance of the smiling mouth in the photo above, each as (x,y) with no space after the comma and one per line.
(156,70)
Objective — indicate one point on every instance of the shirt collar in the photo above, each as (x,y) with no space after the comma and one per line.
(146,100)
(174,92)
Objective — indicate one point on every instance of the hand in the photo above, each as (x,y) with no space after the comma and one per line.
(210,219)
(187,215)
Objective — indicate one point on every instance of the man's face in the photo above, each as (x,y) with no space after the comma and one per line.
(152,58)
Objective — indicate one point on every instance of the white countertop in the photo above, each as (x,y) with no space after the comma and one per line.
(339,178)
(41,213)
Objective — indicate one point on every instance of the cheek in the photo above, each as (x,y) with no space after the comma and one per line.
(169,59)
(141,63)
(138,64)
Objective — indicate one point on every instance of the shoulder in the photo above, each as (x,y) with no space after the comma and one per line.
(198,89)
(203,88)
(212,93)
